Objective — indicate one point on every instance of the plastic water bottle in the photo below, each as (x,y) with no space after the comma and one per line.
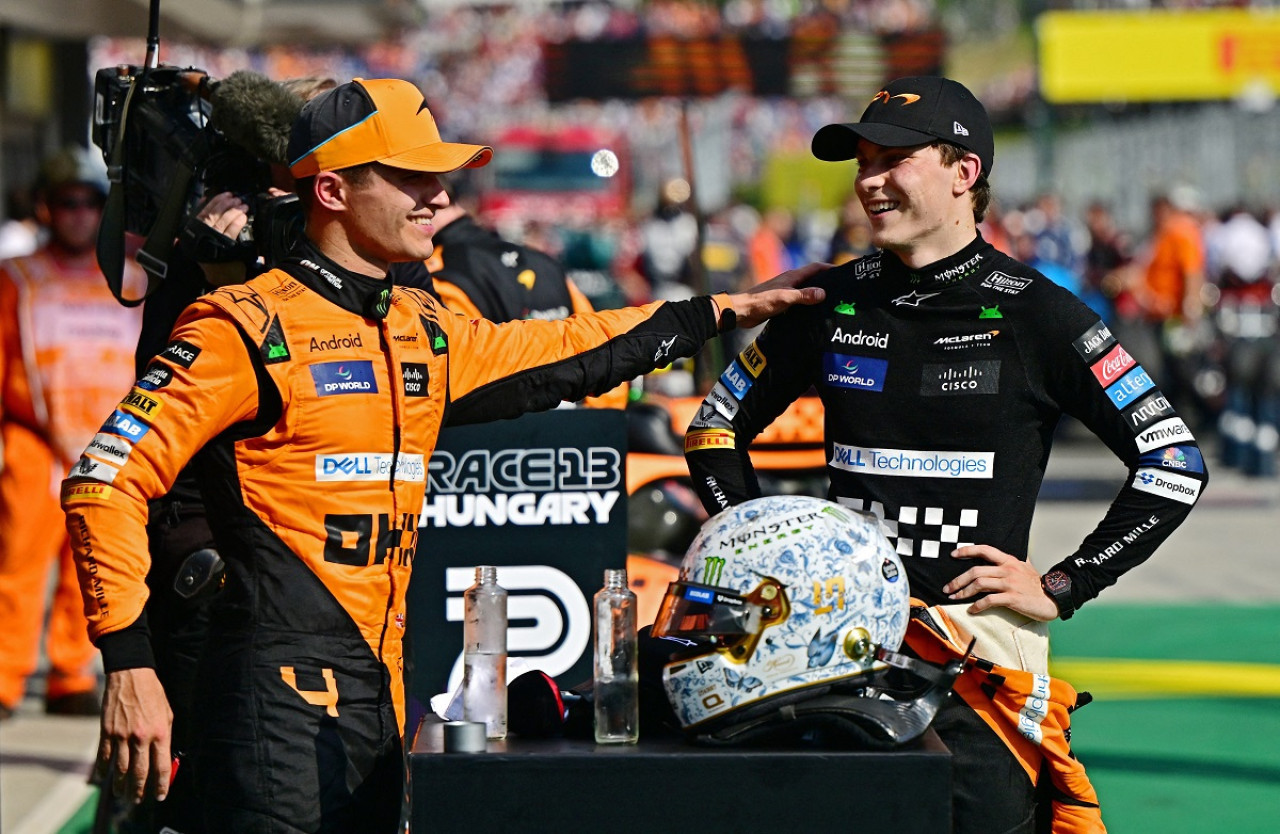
(617,684)
(484,655)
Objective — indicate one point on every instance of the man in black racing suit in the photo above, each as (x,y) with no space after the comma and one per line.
(944,367)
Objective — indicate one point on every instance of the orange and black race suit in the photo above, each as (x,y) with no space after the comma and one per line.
(314,397)
(1030,713)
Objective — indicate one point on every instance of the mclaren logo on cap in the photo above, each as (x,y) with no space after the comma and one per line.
(907,98)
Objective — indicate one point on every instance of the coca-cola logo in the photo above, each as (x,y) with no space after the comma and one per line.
(1112,366)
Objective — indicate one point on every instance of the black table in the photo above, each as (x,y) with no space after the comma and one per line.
(664,785)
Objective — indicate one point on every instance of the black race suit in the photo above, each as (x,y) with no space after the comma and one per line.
(480,275)
(942,388)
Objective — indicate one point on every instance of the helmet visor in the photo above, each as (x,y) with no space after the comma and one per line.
(702,612)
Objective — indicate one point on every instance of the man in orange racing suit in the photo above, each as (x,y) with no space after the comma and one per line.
(313,395)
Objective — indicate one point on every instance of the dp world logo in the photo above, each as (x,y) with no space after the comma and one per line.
(344,378)
(557,613)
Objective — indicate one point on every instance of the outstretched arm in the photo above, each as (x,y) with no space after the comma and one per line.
(764,301)
(533,365)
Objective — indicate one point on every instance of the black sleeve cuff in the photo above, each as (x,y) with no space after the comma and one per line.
(128,648)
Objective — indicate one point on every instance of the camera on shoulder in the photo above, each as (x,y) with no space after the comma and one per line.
(172,137)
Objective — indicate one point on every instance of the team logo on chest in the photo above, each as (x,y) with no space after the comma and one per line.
(415,379)
(977,377)
(861,373)
(332,378)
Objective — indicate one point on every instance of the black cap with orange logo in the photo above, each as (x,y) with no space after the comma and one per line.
(380,120)
(914,111)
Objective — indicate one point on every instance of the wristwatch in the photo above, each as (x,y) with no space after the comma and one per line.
(1057,585)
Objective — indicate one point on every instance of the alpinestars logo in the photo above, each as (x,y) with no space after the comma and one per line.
(913,298)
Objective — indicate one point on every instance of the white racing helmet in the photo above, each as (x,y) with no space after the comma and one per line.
(777,597)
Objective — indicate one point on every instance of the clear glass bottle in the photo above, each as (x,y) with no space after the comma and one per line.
(617,683)
(484,654)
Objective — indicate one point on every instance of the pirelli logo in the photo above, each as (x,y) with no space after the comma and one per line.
(86,492)
(752,359)
(701,439)
(139,403)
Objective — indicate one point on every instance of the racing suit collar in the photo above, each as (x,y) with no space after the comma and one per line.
(949,270)
(349,290)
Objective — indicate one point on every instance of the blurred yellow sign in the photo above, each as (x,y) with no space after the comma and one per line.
(1158,55)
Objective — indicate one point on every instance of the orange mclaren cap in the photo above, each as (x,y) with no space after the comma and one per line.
(381,120)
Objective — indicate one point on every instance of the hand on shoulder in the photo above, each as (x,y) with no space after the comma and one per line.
(777,295)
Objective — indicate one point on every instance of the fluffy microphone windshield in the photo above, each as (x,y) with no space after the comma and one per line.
(255,113)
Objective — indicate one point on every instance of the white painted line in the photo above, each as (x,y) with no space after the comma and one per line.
(63,799)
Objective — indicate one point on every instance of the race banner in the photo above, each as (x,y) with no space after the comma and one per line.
(544,499)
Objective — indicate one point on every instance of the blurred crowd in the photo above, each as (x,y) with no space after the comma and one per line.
(481,67)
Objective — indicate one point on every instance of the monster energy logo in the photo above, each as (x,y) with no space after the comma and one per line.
(712,569)
(384,303)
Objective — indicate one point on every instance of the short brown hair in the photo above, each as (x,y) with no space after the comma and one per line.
(981,191)
(357,175)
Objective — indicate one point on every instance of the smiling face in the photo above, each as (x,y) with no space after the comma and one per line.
(918,206)
(388,214)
